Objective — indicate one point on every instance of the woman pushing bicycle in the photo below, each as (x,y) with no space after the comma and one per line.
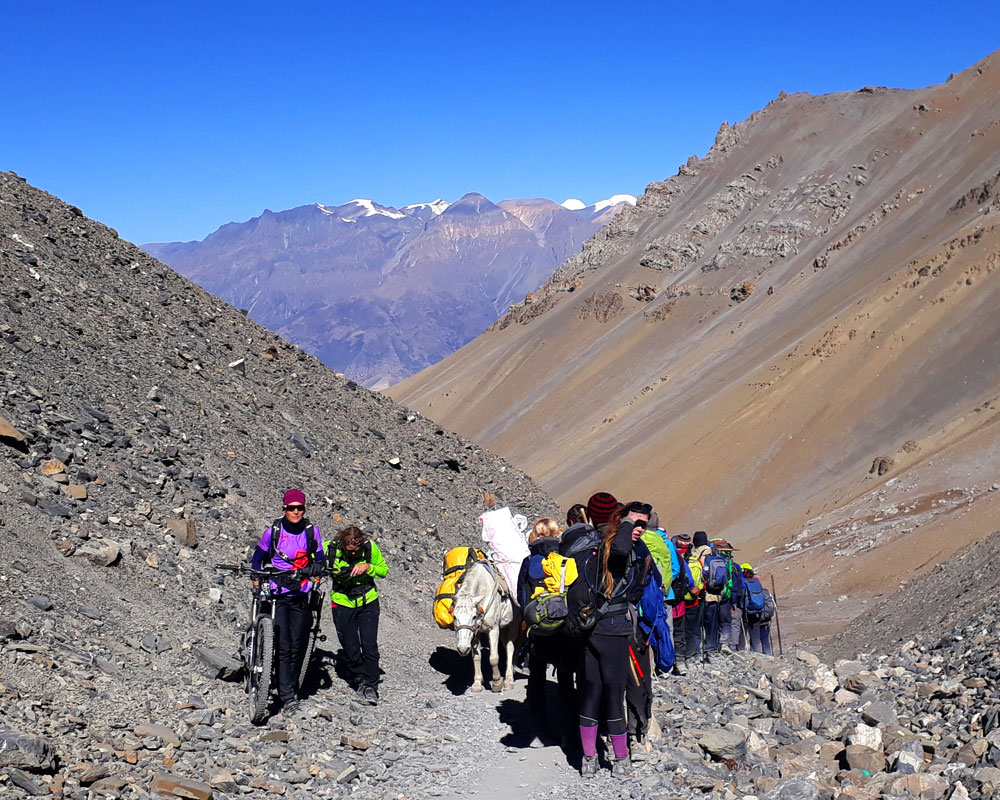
(291,544)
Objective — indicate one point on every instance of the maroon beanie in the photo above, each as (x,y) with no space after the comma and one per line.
(600,507)
(294,497)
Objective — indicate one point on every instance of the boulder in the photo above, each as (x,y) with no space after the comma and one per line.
(184,531)
(220,664)
(865,758)
(165,783)
(861,682)
(878,712)
(723,743)
(19,751)
(9,435)
(922,785)
(166,735)
(797,788)
(866,735)
(100,552)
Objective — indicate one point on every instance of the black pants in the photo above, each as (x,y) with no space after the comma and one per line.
(603,677)
(680,637)
(357,630)
(291,618)
(554,650)
(692,630)
(712,625)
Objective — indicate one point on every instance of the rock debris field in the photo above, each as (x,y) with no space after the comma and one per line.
(146,433)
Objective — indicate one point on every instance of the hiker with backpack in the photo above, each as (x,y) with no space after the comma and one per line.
(581,535)
(355,562)
(696,618)
(682,544)
(650,646)
(729,619)
(544,567)
(673,577)
(291,544)
(602,605)
(758,611)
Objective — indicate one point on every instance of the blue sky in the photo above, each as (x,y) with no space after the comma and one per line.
(166,120)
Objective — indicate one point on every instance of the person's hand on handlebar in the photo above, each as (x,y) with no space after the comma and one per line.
(315,570)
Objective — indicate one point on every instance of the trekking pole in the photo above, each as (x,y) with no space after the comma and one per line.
(777,619)
(701,629)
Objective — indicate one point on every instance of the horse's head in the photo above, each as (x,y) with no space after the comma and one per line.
(468,616)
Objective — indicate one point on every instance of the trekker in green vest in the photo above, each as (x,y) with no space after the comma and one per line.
(355,562)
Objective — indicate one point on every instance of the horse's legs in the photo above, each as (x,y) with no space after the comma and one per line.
(477,670)
(497,683)
(510,633)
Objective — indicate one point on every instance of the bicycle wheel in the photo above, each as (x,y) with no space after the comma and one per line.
(261,669)
(315,609)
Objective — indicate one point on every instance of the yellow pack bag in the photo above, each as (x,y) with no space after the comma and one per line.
(559,572)
(456,562)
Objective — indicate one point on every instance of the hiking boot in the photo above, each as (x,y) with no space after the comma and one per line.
(367,695)
(726,649)
(291,707)
(680,670)
(588,767)
(620,767)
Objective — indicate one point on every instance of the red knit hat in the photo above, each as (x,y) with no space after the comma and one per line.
(294,497)
(601,506)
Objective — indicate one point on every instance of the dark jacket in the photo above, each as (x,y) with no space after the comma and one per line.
(618,622)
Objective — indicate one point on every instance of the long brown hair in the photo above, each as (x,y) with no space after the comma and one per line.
(610,529)
(350,534)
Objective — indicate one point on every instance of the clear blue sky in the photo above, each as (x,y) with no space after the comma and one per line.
(166,120)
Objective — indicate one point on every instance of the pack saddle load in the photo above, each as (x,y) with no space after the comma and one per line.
(456,562)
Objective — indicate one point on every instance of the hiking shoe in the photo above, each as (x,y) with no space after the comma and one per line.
(680,670)
(367,695)
(620,767)
(588,767)
(291,707)
(726,649)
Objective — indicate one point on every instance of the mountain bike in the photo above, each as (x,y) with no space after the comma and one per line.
(257,645)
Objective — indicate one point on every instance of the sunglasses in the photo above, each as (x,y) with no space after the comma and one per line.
(295,508)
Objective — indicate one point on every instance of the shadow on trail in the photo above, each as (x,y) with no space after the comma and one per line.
(317,677)
(456,669)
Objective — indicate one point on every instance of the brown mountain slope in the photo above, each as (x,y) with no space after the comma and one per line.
(818,292)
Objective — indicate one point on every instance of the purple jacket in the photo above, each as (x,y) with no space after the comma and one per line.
(291,552)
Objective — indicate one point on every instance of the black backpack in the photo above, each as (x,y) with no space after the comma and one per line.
(586,603)
(310,531)
(679,585)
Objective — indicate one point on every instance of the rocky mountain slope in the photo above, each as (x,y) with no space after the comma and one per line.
(792,342)
(380,293)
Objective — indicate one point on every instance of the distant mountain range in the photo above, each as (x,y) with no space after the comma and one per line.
(378,292)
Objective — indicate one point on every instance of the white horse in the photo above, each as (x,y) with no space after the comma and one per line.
(483,605)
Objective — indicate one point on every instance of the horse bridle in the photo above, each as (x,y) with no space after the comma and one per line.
(477,621)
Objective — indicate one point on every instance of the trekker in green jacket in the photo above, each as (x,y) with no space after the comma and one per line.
(355,562)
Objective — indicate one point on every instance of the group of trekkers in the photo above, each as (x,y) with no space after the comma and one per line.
(612,599)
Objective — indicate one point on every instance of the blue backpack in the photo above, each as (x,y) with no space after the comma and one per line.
(716,573)
(653,622)
(754,596)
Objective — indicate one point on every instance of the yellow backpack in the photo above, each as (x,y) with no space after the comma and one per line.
(456,562)
(698,574)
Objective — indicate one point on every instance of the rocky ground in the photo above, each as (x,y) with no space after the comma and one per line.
(146,433)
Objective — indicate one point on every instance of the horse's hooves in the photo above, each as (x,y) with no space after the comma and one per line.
(476,687)
(497,686)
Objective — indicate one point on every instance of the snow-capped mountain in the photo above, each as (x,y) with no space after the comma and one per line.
(379,292)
